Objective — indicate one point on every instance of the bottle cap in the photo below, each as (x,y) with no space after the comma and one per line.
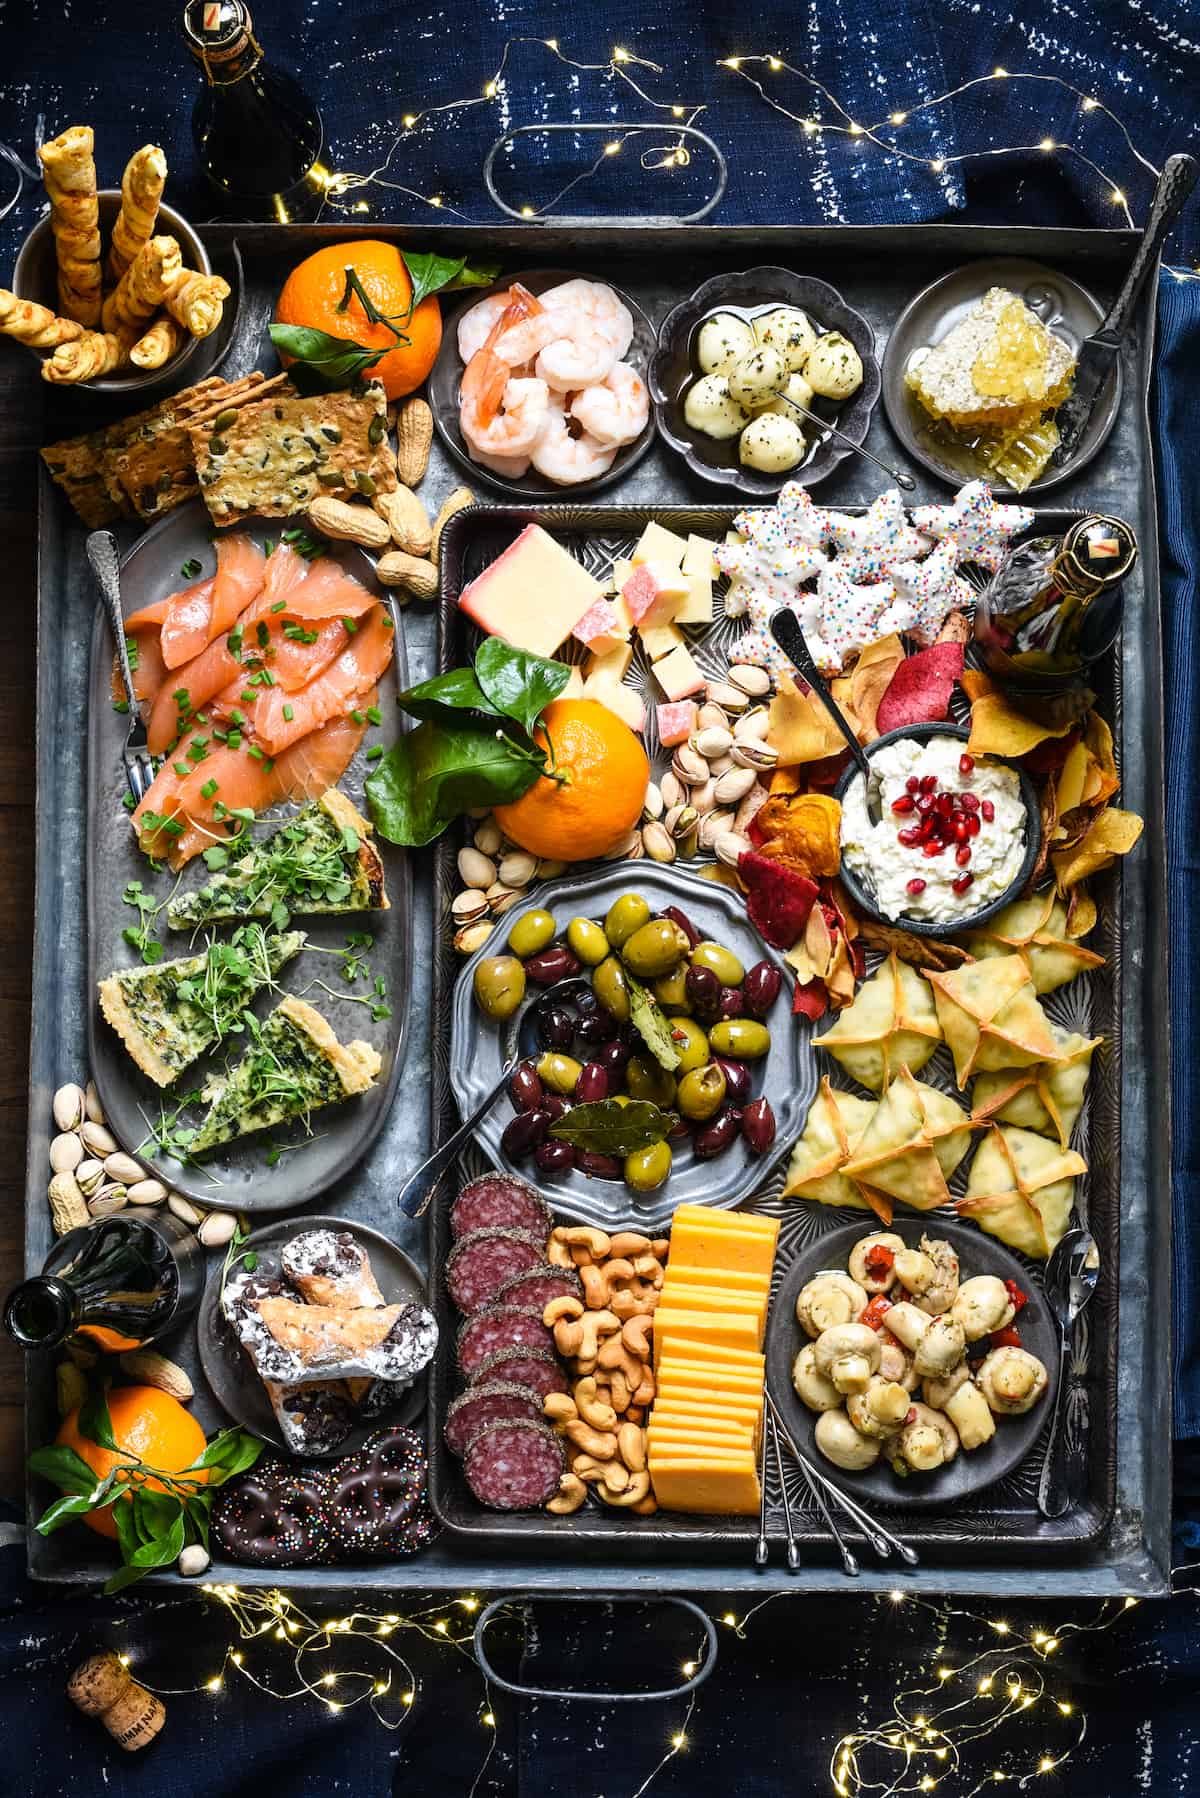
(218,33)
(1099,551)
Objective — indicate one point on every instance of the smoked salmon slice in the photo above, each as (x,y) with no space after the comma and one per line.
(194,618)
(329,592)
(338,689)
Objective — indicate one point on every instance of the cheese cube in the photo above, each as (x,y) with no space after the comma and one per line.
(659,640)
(533,595)
(672,1327)
(622,568)
(659,545)
(652,593)
(702,1485)
(698,557)
(718,1278)
(739,1360)
(697,608)
(610,668)
(678,675)
(600,629)
(629,706)
(676,722)
(620,606)
(574,686)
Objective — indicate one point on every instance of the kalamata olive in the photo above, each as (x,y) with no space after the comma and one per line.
(523,1133)
(597,1027)
(612,1057)
(723,962)
(684,922)
(729,1005)
(737,1079)
(625,915)
(552,965)
(645,1079)
(592,1085)
(680,1130)
(532,933)
(525,1089)
(499,982)
(758,1126)
(554,1157)
(555,1106)
(704,991)
(555,1027)
(654,949)
(716,1137)
(559,1072)
(702,1092)
(744,1038)
(691,1044)
(597,1166)
(646,1169)
(760,989)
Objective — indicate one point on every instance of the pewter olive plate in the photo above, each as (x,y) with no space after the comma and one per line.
(786,1076)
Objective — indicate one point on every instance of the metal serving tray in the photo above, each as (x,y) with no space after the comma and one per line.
(877,269)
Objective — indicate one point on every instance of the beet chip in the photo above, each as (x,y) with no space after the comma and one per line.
(920,689)
(778,899)
(810,1000)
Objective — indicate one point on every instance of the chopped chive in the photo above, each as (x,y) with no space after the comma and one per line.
(293,536)
(374,715)
(208,789)
(236,717)
(258,754)
(350,625)
(220,810)
(128,801)
(219,734)
(182,697)
(356,717)
(269,763)
(262,631)
(288,714)
(120,705)
(374,753)
(201,717)
(280,605)
(389,623)
(233,641)
(182,769)
(247,696)
(267,678)
(234,739)
(190,569)
(172,827)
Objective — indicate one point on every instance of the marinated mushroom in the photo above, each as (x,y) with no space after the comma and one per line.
(1012,1381)
(907,1324)
(841,1443)
(828,1299)
(879,1411)
(929,1441)
(914,1270)
(896,1363)
(848,1355)
(982,1306)
(882,1248)
(971,1415)
(941,1348)
(938,1391)
(812,1387)
(941,1293)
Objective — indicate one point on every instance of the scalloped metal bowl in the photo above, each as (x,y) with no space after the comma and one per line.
(480,1046)
(673,370)
(862,895)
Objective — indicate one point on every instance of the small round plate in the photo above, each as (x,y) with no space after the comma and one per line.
(674,368)
(447,373)
(1063,306)
(943,927)
(967,1474)
(227,1368)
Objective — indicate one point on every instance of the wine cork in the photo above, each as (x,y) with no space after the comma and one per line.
(103,1687)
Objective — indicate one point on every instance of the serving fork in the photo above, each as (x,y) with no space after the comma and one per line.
(105,559)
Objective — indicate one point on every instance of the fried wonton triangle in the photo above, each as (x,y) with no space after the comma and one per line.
(914,1141)
(1038,929)
(991,1018)
(835,1122)
(1046,1097)
(891,1025)
(1021,1189)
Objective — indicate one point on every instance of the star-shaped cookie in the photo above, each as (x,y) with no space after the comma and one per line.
(980,527)
(932,588)
(869,546)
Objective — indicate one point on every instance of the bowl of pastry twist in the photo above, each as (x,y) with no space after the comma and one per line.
(112,289)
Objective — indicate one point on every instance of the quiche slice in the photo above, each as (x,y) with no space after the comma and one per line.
(323,860)
(294,1066)
(169,1014)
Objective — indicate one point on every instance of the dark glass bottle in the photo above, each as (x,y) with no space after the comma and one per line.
(258,135)
(118,1284)
(1054,606)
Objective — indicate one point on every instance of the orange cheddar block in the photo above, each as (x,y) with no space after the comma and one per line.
(731,1279)
(728,1488)
(533,594)
(690,1401)
(695,1295)
(738,1360)
(717,1240)
(684,1441)
(689,1365)
(701,1326)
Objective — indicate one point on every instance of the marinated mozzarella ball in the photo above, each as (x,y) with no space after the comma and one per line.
(710,409)
(771,444)
(1012,1380)
(834,367)
(794,392)
(723,341)
(757,378)
(813,1388)
(841,1443)
(789,331)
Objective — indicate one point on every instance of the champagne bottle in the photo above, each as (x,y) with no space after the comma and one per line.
(258,134)
(116,1284)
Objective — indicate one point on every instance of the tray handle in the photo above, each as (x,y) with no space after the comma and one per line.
(613,127)
(706,1658)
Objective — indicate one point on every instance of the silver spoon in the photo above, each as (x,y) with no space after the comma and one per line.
(793,1552)
(1071,1275)
(788,633)
(901,479)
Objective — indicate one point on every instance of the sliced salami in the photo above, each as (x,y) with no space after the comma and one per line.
(483,1261)
(498,1327)
(498,1202)
(524,1367)
(539,1285)
(514,1466)
(489,1401)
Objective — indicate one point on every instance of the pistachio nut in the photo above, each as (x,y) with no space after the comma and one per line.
(66,1152)
(755,755)
(711,716)
(184,1210)
(712,741)
(217,1229)
(89,1177)
(689,766)
(467,907)
(68,1107)
(729,698)
(518,868)
(754,681)
(730,846)
(735,785)
(658,842)
(147,1192)
(712,827)
(653,807)
(476,869)
(124,1168)
(488,837)
(471,937)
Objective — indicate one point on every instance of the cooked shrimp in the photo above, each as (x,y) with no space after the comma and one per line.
(616,411)
(606,312)
(500,415)
(475,326)
(511,467)
(567,459)
(581,360)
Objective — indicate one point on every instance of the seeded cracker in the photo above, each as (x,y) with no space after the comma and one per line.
(155,470)
(279,454)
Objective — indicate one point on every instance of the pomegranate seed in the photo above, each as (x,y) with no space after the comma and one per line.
(966,764)
(988,810)
(928,783)
(932,847)
(962,854)
(960,830)
(972,823)
(905,803)
(969,802)
(915,886)
(912,784)
(925,803)
(944,804)
(910,838)
(926,828)
(962,883)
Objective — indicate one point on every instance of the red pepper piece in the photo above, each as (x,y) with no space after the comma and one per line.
(1010,1338)
(1019,1299)
(874,1313)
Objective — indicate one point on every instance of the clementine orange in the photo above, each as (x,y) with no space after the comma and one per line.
(599,796)
(312,295)
(149,1426)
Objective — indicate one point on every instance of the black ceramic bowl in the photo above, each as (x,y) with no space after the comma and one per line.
(674,368)
(862,895)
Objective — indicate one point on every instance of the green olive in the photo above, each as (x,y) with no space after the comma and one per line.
(723,962)
(611,988)
(671,992)
(587,941)
(647,1168)
(654,949)
(742,1038)
(645,1079)
(499,985)
(625,915)
(559,1072)
(701,1092)
(691,1043)
(531,933)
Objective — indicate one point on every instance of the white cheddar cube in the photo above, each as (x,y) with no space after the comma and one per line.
(698,557)
(678,675)
(697,608)
(657,544)
(659,639)
(628,705)
(610,669)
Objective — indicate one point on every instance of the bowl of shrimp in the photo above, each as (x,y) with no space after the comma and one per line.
(540,385)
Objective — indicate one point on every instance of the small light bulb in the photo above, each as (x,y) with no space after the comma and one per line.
(330,1679)
(999,74)
(611,149)
(470,1604)
(920,1722)
(679,1741)
(408,1697)
(1047,143)
(810,126)
(124,1659)
(729,1618)
(380,1688)
(733,62)
(1090,105)
(332,1706)
(898,118)
(945,1673)
(489,1719)
(1000,1628)
(361,206)
(1118,199)
(774,63)
(689,1667)
(620,55)
(236,1658)
(527,212)
(1065,1708)
(1027,1701)
(435,199)
(677,112)
(937,165)
(896,1597)
(985,1685)
(856,130)
(552,43)
(214,1685)
(1045,1765)
(409,120)
(440,1626)
(1051,1644)
(927,1784)
(1129,1603)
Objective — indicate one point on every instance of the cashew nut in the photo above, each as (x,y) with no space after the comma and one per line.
(617,1269)
(600,1416)
(628,1242)
(646,1391)
(619,1391)
(595,1288)
(635,1333)
(559,1408)
(600,1443)
(584,1236)
(660,1245)
(570,1495)
(636,1490)
(566,1306)
(647,1266)
(631,1446)
(557,1253)
(568,1336)
(635,1414)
